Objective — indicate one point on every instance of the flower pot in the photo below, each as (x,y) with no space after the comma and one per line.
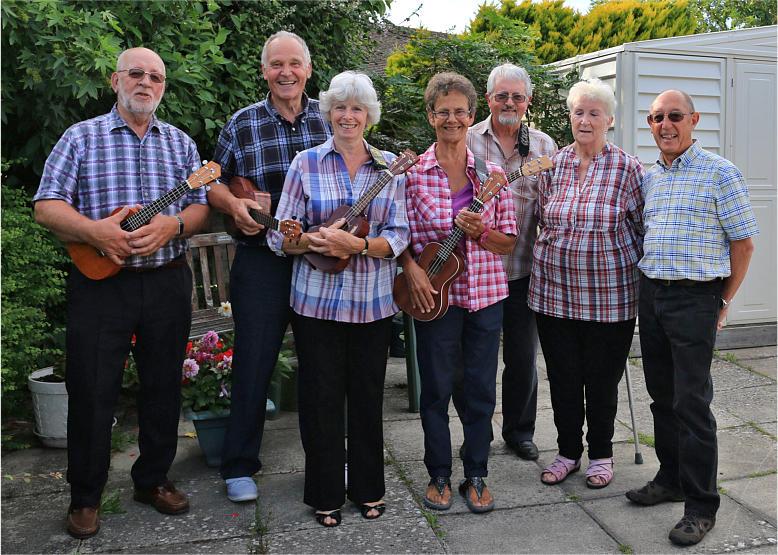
(211,427)
(50,405)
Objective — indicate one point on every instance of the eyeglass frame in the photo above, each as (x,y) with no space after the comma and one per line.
(151,74)
(651,117)
(524,98)
(439,114)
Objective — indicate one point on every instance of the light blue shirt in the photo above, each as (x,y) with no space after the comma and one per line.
(693,209)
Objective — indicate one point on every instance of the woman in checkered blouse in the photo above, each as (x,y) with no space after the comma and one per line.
(584,281)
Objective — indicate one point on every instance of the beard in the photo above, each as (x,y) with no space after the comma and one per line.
(509,119)
(135,106)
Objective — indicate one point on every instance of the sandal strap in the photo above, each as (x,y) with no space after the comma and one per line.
(440,483)
(600,467)
(561,466)
(477,483)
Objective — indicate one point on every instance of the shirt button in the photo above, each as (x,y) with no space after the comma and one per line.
(294,129)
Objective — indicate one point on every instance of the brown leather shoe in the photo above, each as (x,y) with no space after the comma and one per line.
(165,498)
(83,522)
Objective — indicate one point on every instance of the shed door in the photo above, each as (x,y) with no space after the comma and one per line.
(753,143)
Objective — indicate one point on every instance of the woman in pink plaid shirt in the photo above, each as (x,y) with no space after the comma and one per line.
(439,189)
(584,281)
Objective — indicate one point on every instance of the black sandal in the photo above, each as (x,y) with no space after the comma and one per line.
(321,515)
(364,508)
(478,484)
(440,483)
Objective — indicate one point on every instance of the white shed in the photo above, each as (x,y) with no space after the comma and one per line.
(731,76)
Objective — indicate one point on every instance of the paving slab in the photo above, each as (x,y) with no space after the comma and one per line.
(758,492)
(557,528)
(752,404)
(40,470)
(744,451)
(35,523)
(727,376)
(645,529)
(240,544)
(752,353)
(765,366)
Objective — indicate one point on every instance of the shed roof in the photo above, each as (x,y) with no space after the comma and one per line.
(756,42)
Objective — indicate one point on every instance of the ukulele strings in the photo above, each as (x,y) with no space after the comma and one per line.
(450,243)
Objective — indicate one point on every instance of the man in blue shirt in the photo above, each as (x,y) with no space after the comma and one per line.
(115,161)
(697,247)
(259,143)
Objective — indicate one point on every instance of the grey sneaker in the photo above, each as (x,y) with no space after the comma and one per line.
(652,494)
(691,529)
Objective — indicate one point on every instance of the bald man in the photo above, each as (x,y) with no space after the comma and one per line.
(697,247)
(124,158)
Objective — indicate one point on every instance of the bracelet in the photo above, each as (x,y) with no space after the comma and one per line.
(367,245)
(180,226)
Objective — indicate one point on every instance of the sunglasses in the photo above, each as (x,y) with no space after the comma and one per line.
(138,74)
(675,117)
(516,97)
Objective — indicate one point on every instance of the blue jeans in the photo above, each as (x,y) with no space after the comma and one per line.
(468,341)
(677,335)
(259,293)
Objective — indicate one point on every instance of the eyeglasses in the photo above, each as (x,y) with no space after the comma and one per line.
(137,73)
(516,97)
(675,117)
(444,114)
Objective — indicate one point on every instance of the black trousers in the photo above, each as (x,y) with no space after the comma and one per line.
(342,363)
(259,292)
(677,335)
(467,343)
(102,317)
(585,362)
(520,376)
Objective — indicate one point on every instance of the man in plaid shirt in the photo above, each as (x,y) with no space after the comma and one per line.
(502,138)
(259,143)
(697,247)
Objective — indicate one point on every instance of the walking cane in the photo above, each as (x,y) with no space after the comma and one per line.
(638,456)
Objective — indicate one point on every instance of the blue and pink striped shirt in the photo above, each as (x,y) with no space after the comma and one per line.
(316,185)
(100,165)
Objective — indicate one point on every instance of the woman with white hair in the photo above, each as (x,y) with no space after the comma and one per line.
(584,281)
(342,321)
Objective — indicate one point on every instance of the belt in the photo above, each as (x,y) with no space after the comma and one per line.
(683,282)
(175,263)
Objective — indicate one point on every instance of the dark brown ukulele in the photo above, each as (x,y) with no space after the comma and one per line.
(441,263)
(94,264)
(242,187)
(355,216)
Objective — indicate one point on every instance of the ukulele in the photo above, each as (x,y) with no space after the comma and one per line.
(530,168)
(441,264)
(94,264)
(356,217)
(243,187)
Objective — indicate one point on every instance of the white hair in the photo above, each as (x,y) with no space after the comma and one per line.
(353,86)
(592,89)
(282,34)
(512,72)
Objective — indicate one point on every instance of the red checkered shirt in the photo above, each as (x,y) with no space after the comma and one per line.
(591,238)
(428,201)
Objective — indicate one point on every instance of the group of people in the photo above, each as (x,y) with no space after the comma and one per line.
(569,256)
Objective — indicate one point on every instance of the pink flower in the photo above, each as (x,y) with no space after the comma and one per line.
(191,368)
(209,340)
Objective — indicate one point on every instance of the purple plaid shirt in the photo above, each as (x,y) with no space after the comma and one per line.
(590,240)
(317,184)
(100,165)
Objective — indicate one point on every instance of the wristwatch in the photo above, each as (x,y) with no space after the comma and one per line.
(723,303)
(364,251)
(180,226)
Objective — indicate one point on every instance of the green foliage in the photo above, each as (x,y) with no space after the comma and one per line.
(59,55)
(111,503)
(723,15)
(33,295)
(404,122)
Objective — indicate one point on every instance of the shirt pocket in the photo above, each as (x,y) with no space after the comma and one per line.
(431,215)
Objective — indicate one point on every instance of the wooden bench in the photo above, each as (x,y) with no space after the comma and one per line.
(210,257)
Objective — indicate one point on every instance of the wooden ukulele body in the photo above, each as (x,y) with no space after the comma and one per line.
(359,227)
(441,281)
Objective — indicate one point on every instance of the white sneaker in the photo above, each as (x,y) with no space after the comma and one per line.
(241,489)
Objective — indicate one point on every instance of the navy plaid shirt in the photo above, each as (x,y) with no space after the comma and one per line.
(258,143)
(100,165)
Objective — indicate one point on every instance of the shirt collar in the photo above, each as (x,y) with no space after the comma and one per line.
(274,113)
(684,159)
(428,160)
(328,147)
(116,120)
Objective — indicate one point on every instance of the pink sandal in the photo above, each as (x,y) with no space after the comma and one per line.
(602,469)
(560,468)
